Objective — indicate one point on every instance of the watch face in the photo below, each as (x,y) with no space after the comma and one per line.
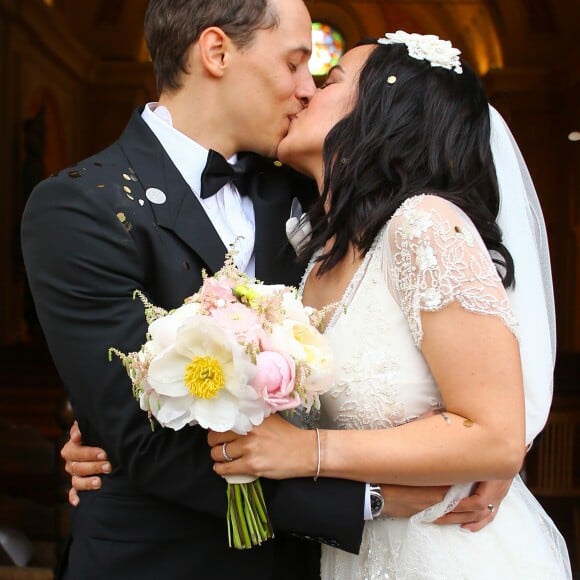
(377,503)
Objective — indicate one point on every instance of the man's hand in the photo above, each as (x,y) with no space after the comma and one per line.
(402,501)
(478,510)
(83,464)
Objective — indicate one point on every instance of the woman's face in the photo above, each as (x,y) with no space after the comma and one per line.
(302,147)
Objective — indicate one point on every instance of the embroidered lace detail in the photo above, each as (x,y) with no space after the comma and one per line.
(366,395)
(307,273)
(437,256)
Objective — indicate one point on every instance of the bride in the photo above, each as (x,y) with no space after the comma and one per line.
(427,235)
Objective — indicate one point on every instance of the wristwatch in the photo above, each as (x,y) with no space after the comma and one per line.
(377,500)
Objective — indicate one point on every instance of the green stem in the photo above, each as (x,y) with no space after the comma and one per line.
(247,516)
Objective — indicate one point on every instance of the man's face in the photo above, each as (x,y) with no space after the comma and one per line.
(269,80)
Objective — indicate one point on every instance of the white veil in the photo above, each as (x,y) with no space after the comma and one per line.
(524,234)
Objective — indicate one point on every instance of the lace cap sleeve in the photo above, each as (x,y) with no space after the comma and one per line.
(434,255)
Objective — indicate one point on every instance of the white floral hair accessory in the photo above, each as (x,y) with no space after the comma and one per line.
(429,47)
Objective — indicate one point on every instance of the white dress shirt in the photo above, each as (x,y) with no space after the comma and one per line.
(231,214)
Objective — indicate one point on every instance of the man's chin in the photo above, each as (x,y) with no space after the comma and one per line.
(269,151)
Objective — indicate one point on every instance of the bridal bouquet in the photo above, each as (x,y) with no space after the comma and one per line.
(232,354)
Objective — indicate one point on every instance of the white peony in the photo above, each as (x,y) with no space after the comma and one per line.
(203,378)
(294,309)
(164,330)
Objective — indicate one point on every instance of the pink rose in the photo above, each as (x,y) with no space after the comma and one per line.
(274,380)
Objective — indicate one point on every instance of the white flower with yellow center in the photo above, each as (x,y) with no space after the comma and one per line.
(203,378)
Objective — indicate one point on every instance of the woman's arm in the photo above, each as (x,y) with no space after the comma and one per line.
(474,359)
(446,285)
(401,501)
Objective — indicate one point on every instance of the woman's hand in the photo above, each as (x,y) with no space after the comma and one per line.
(472,513)
(275,449)
(278,450)
(478,510)
(83,464)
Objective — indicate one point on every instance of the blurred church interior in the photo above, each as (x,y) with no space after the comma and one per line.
(71,72)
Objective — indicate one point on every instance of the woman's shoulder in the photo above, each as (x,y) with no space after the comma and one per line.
(426,212)
(427,202)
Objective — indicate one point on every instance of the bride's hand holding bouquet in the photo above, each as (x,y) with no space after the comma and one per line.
(276,449)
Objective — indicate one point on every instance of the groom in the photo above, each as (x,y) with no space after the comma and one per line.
(147,213)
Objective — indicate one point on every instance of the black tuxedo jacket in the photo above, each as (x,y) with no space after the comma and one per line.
(90,237)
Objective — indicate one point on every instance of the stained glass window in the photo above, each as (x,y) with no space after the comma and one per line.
(327,48)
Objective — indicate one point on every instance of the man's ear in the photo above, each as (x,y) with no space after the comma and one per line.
(214,46)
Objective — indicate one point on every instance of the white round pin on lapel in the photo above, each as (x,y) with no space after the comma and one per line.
(155,195)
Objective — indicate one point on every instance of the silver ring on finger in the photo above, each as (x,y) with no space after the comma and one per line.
(490,507)
(225,453)
(72,469)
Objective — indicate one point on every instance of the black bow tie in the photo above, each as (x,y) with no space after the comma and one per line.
(218,172)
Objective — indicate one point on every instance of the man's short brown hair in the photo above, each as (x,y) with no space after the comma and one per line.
(171,26)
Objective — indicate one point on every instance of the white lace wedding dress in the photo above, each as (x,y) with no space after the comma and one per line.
(428,255)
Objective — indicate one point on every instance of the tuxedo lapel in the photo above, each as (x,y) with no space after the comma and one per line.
(181,212)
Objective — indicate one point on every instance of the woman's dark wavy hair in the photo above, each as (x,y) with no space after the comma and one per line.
(426,133)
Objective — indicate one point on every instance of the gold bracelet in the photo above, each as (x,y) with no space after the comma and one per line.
(318,457)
